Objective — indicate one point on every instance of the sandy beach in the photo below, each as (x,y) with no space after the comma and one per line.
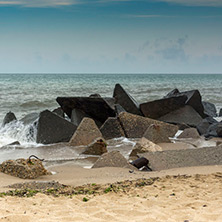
(183,194)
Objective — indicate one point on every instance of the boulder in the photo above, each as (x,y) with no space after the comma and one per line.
(209,109)
(16,143)
(219,130)
(189,133)
(174,92)
(29,118)
(24,168)
(141,163)
(51,128)
(220,112)
(157,108)
(112,129)
(185,115)
(203,126)
(144,145)
(59,112)
(194,99)
(97,147)
(96,108)
(112,159)
(183,158)
(9,117)
(214,130)
(86,133)
(119,109)
(159,133)
(77,116)
(95,95)
(125,100)
(110,101)
(135,126)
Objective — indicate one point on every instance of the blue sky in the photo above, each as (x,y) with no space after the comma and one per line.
(111,36)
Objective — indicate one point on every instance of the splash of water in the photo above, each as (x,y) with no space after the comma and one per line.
(18,131)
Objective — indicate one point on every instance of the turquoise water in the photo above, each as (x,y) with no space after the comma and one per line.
(25,93)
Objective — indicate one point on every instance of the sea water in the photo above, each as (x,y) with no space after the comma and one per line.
(27,93)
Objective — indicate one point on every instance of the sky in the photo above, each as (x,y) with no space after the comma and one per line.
(111,36)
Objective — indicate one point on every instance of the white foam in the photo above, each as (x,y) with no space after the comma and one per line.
(17,131)
(219,119)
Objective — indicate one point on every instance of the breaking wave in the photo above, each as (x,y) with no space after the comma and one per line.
(18,131)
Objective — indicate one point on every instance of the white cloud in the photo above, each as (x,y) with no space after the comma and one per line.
(53,3)
(211,3)
(39,3)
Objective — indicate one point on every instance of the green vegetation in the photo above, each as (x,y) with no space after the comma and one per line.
(84,199)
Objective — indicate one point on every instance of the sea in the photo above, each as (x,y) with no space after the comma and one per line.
(28,93)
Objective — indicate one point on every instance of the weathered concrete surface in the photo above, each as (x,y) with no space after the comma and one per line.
(86,133)
(52,128)
(159,133)
(9,117)
(190,133)
(97,108)
(157,108)
(125,100)
(112,159)
(97,147)
(185,115)
(112,129)
(135,126)
(184,158)
(144,145)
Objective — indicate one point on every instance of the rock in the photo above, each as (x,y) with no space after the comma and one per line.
(9,117)
(52,128)
(144,145)
(194,99)
(135,126)
(14,143)
(220,112)
(119,109)
(112,159)
(157,108)
(172,93)
(183,158)
(189,133)
(29,118)
(140,162)
(11,144)
(159,133)
(98,147)
(203,126)
(96,108)
(209,109)
(59,112)
(125,100)
(214,130)
(112,129)
(96,95)
(110,101)
(86,133)
(185,115)
(24,168)
(219,130)
(77,116)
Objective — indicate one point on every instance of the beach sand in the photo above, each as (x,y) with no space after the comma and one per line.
(194,197)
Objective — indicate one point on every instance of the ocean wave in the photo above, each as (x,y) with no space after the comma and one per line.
(17,131)
(35,103)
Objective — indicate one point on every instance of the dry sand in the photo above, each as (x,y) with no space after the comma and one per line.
(191,198)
